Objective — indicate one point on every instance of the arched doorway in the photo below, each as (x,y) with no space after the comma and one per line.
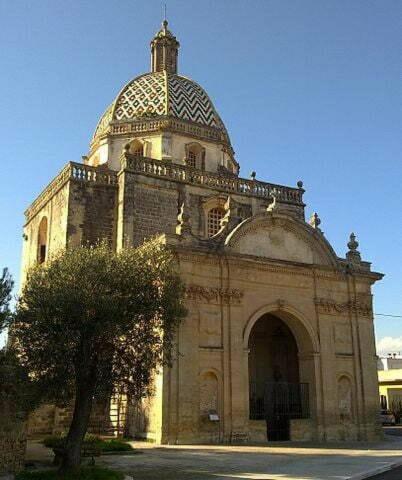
(276,394)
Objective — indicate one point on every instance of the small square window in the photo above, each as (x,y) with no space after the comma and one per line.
(215,216)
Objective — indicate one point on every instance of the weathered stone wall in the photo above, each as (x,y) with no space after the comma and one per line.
(149,206)
(328,311)
(92,213)
(12,448)
(12,419)
(154,208)
(56,212)
(49,419)
(271,264)
(41,421)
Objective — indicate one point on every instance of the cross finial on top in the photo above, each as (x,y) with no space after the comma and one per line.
(164,50)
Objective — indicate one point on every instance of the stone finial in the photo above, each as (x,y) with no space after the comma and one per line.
(164,50)
(253,175)
(299,184)
(353,243)
(272,206)
(353,255)
(315,221)
(183,221)
(231,218)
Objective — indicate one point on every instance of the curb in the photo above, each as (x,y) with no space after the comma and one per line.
(376,471)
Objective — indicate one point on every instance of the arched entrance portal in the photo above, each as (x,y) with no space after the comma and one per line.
(276,394)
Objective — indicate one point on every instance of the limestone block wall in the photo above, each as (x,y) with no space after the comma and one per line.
(48,419)
(12,448)
(12,426)
(41,421)
(335,340)
(56,212)
(92,213)
(155,211)
(149,206)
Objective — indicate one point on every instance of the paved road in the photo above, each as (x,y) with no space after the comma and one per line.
(260,462)
(395,474)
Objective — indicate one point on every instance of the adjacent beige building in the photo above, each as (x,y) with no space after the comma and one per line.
(279,339)
(390,383)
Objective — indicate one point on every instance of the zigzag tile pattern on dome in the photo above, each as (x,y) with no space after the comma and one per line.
(161,94)
(188,101)
(144,96)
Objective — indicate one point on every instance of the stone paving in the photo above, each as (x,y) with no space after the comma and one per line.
(274,462)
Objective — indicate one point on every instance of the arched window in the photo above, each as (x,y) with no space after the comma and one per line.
(215,216)
(137,148)
(138,152)
(42,240)
(195,155)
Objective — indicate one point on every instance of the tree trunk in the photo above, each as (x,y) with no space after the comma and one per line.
(82,410)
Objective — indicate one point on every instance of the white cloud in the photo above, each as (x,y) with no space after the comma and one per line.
(389,345)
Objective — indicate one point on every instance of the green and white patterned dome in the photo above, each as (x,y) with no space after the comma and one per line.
(161,94)
(162,100)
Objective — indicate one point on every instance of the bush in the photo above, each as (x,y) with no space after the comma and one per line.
(86,473)
(112,445)
(115,446)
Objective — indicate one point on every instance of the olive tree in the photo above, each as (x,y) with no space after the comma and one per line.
(91,320)
(6,286)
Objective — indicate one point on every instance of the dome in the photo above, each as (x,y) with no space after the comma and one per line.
(162,94)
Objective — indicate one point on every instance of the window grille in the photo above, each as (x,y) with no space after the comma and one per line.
(138,152)
(279,399)
(192,159)
(214,220)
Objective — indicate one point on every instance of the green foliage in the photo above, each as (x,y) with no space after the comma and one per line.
(91,321)
(116,445)
(18,394)
(6,286)
(94,315)
(84,473)
(104,445)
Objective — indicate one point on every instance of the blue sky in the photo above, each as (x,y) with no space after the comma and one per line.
(308,89)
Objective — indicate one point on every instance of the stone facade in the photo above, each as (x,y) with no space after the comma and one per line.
(12,449)
(12,419)
(271,308)
(107,417)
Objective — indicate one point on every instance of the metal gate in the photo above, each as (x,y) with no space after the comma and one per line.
(277,403)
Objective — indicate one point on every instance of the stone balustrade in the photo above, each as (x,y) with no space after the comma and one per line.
(163,169)
(87,173)
(226,183)
(72,171)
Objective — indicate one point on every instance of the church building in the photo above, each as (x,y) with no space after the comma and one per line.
(279,340)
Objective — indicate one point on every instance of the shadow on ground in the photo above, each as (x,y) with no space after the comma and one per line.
(277,461)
